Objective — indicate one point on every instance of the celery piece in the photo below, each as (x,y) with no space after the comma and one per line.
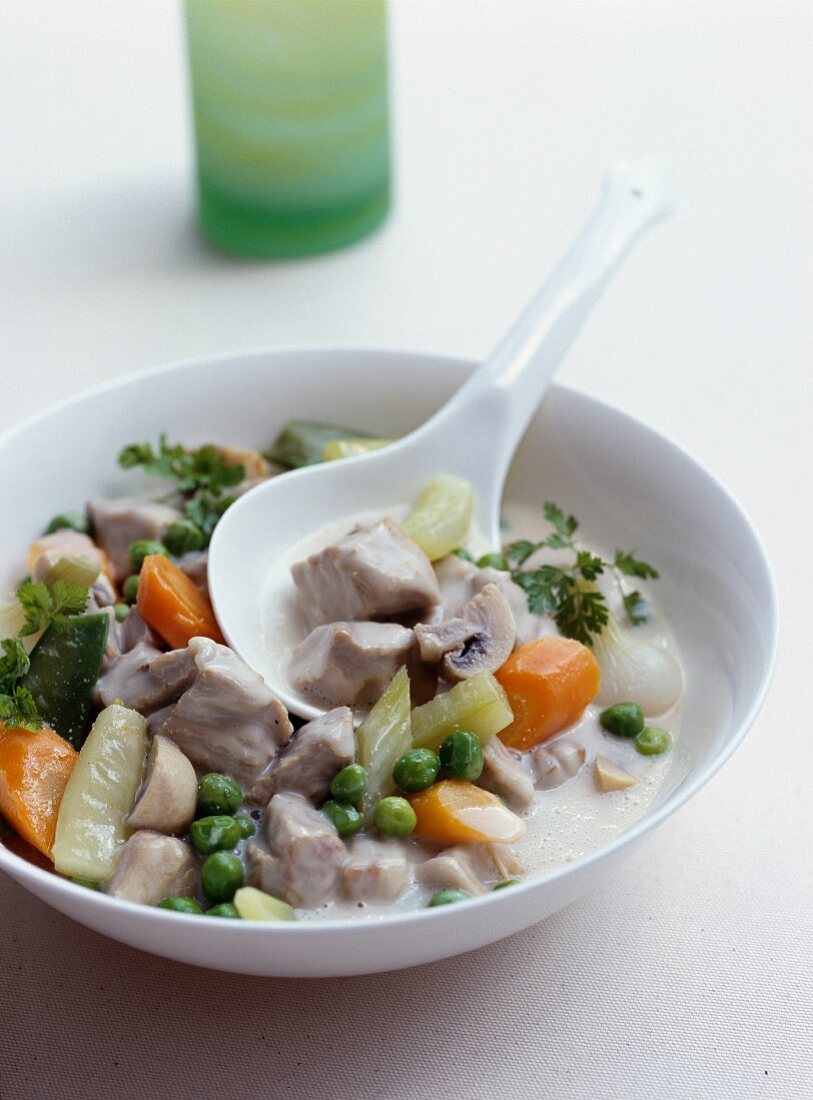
(100,793)
(382,738)
(478,705)
(440,520)
(70,568)
(253,904)
(302,442)
(348,448)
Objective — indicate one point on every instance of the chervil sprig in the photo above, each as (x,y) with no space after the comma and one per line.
(568,592)
(43,605)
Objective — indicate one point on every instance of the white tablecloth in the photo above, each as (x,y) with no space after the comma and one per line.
(690,975)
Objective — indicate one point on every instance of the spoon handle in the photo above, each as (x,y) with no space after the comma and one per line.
(478,431)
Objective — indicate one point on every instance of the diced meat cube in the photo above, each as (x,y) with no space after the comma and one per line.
(227,719)
(505,773)
(372,572)
(350,663)
(473,868)
(376,870)
(263,870)
(132,673)
(119,523)
(553,764)
(310,853)
(307,764)
(152,867)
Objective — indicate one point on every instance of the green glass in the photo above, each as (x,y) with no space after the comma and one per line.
(291,122)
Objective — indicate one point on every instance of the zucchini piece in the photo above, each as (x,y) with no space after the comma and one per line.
(478,705)
(100,793)
(65,665)
(383,737)
(440,520)
(302,442)
(348,448)
(253,904)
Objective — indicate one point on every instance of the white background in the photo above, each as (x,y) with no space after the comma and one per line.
(690,975)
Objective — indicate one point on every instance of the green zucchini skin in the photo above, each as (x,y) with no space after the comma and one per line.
(65,665)
(302,442)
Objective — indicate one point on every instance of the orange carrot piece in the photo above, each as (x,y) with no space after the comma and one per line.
(34,769)
(173,605)
(548,682)
(454,812)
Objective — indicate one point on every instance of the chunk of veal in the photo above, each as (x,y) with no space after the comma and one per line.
(460,580)
(226,720)
(372,572)
(307,847)
(349,663)
(166,802)
(481,637)
(474,868)
(195,564)
(128,673)
(152,866)
(118,523)
(376,870)
(553,764)
(307,764)
(504,773)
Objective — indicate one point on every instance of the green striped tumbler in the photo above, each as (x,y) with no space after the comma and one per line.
(291,122)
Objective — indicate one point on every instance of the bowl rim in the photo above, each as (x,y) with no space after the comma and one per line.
(21,869)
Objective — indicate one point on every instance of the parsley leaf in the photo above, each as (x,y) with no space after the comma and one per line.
(19,711)
(630,566)
(43,606)
(569,593)
(13,664)
(201,475)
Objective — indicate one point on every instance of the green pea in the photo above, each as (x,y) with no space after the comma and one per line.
(461,755)
(183,536)
(506,882)
(348,785)
(416,770)
(394,816)
(215,834)
(225,909)
(88,883)
(129,589)
(68,521)
(121,611)
(180,905)
(222,874)
(142,549)
(652,741)
(623,719)
(495,561)
(217,794)
(447,897)
(344,816)
(246,826)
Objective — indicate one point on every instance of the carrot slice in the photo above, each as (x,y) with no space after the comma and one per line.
(548,682)
(34,770)
(454,812)
(173,605)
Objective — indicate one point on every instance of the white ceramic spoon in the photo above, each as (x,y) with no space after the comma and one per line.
(474,435)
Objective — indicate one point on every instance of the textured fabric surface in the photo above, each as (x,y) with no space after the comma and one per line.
(689,975)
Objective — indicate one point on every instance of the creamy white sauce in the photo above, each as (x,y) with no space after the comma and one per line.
(563,824)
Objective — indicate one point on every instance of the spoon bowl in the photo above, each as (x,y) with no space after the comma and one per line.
(474,435)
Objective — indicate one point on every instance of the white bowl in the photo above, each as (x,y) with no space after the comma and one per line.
(628,484)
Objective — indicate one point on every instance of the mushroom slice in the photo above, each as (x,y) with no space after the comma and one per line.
(480,637)
(167,800)
(609,777)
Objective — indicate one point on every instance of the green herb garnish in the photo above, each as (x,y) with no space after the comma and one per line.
(17,706)
(567,592)
(201,475)
(43,605)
